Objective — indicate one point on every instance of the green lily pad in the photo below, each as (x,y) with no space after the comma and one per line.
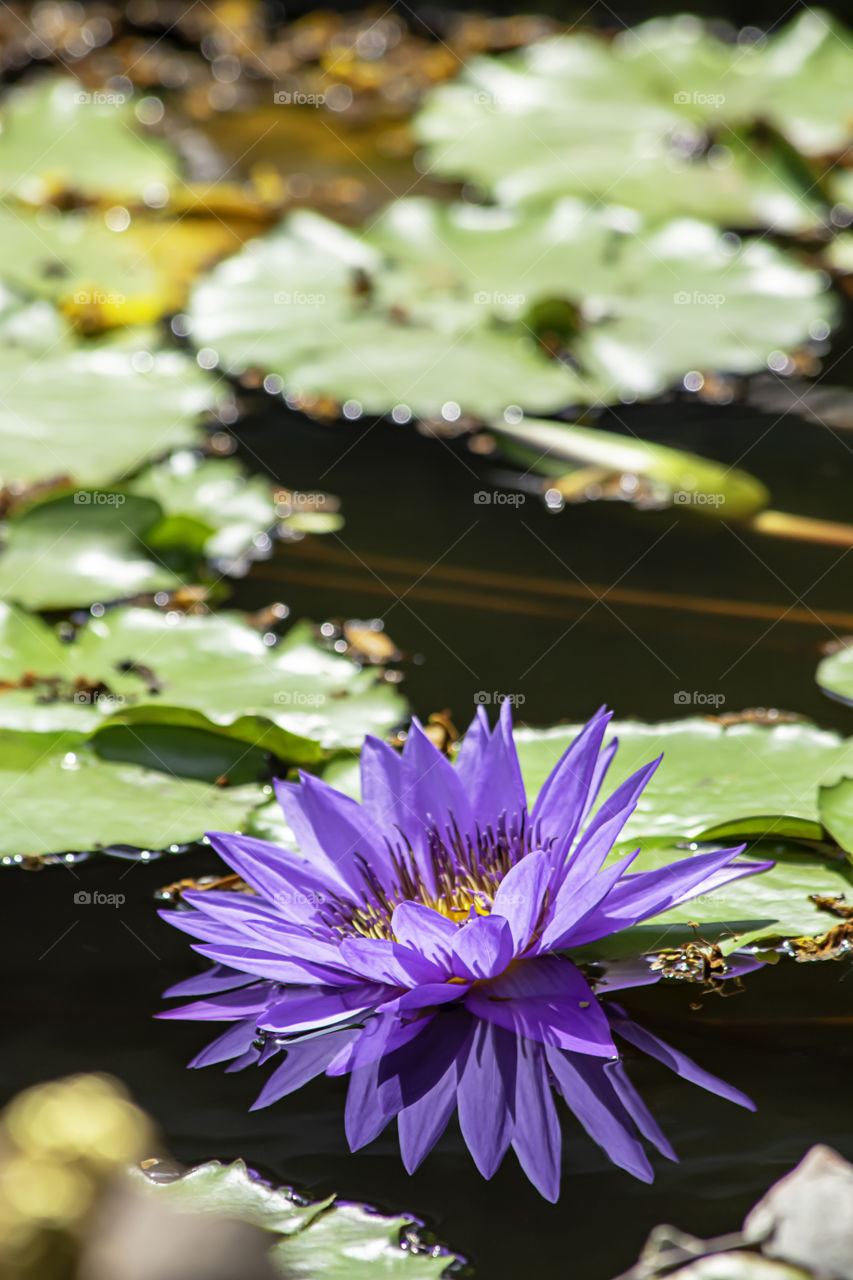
(59,137)
(714,781)
(711,488)
(80,549)
(434,310)
(208,673)
(123,402)
(210,505)
(67,799)
(337,1240)
(835,675)
(662,119)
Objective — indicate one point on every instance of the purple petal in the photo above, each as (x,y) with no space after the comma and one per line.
(421,1124)
(536,1137)
(547,999)
(575,899)
(266,964)
(637,1109)
(501,787)
(584,1085)
(307,1008)
(233,1043)
(226,1006)
(216,979)
(368,1109)
(486,1095)
(605,828)
(640,896)
(471,755)
(271,870)
(382,961)
(521,896)
(426,996)
(381,1037)
(345,832)
(562,802)
(303,1062)
(618,975)
(482,948)
(673,1058)
(426,930)
(382,784)
(433,791)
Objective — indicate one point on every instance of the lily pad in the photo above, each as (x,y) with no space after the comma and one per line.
(341,1241)
(59,137)
(663,119)
(437,310)
(122,403)
(714,781)
(711,488)
(211,673)
(80,549)
(835,675)
(210,505)
(69,800)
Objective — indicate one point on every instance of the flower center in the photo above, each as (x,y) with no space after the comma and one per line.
(452,874)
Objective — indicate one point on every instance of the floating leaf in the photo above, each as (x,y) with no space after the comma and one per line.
(835,675)
(438,308)
(708,487)
(70,800)
(334,1239)
(661,119)
(80,549)
(212,673)
(740,780)
(59,137)
(209,504)
(91,412)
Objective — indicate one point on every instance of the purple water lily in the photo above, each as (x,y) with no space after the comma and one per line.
(418,943)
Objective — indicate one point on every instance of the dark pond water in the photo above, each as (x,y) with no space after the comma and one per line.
(501,599)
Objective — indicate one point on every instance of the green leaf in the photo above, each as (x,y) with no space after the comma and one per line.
(710,488)
(76,550)
(57,137)
(835,675)
(70,800)
(741,780)
(211,504)
(331,1239)
(87,412)
(209,673)
(666,118)
(436,308)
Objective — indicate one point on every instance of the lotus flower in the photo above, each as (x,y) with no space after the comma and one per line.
(421,942)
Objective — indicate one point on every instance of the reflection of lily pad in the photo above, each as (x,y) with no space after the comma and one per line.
(333,1239)
(90,412)
(212,672)
(209,504)
(81,549)
(58,137)
(69,800)
(435,306)
(659,119)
